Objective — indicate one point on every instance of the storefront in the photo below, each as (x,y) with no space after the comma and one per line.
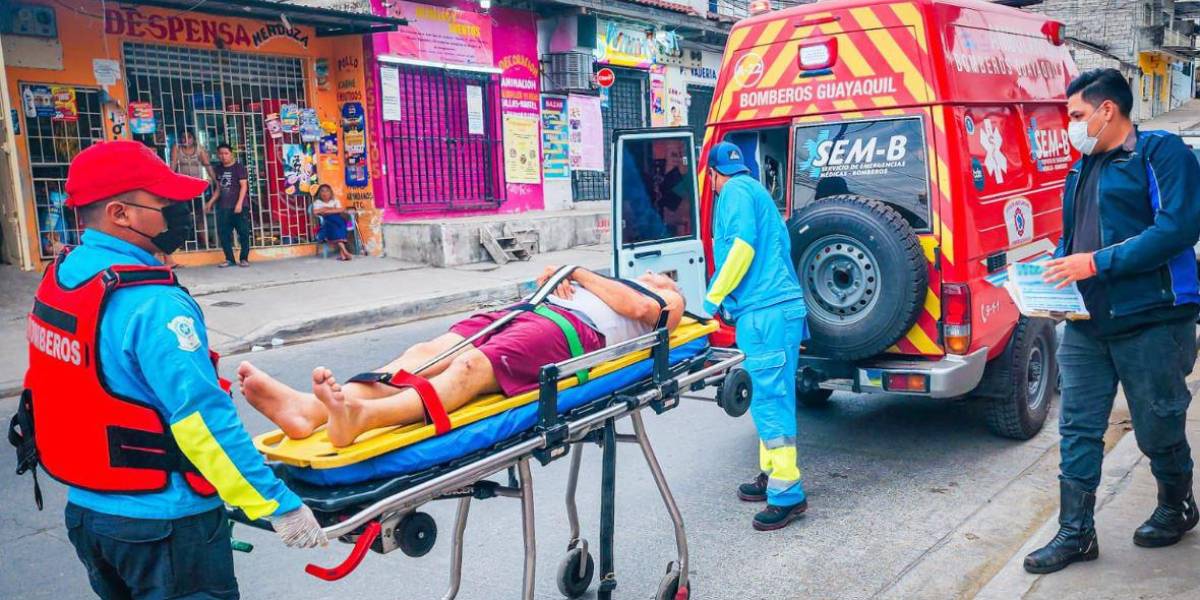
(455,97)
(285,92)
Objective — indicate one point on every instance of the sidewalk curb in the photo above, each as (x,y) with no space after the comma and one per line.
(357,320)
(9,389)
(1012,581)
(201,290)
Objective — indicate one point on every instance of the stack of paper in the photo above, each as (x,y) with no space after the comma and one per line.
(1036,298)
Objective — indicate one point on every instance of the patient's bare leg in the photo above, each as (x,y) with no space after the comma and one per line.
(467,376)
(298,413)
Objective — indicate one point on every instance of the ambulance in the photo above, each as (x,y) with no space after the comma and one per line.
(915,149)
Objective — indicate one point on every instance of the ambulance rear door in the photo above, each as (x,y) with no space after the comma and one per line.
(656,215)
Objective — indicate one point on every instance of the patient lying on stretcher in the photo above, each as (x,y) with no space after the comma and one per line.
(602,311)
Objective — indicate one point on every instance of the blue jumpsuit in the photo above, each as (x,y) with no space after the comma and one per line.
(756,284)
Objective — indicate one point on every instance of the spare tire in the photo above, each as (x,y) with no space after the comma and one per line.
(863,273)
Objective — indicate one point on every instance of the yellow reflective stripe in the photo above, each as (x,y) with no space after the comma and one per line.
(779,463)
(735,267)
(198,444)
(764,458)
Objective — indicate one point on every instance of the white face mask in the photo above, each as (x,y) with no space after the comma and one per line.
(1077,134)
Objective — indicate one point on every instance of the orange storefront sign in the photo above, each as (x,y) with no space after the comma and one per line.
(132,22)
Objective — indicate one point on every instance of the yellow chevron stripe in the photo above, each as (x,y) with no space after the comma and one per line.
(917,337)
(848,52)
(770,32)
(845,105)
(780,111)
(883,101)
(928,244)
(895,57)
(947,245)
(892,111)
(943,177)
(908,15)
(785,59)
(933,304)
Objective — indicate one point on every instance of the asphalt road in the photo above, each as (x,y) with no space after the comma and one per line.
(889,480)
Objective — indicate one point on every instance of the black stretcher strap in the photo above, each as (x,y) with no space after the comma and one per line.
(54,317)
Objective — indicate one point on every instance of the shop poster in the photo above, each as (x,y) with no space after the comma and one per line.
(299,169)
(658,96)
(555,157)
(389,93)
(474,96)
(310,125)
(354,137)
(321,73)
(521,163)
(274,129)
(329,144)
(586,133)
(141,118)
(65,108)
(441,34)
(39,102)
(289,118)
(623,45)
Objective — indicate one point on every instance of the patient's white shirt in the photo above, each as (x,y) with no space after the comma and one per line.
(592,310)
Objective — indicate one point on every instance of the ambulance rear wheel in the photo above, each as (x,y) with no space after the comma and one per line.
(863,272)
(572,583)
(415,534)
(735,392)
(817,398)
(1022,381)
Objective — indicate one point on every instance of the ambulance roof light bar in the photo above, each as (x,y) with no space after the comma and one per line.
(758,7)
(1056,31)
(818,56)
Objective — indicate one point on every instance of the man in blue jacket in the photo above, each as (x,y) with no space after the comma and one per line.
(144,435)
(1131,215)
(755,282)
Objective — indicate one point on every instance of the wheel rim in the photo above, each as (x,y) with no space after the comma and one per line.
(1035,376)
(841,277)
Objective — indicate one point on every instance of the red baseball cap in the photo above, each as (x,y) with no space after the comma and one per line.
(106,169)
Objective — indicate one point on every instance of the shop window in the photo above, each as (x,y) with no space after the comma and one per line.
(884,160)
(624,108)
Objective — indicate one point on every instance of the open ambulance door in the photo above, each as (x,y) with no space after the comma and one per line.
(656,213)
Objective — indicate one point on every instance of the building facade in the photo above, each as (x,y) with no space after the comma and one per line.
(286,94)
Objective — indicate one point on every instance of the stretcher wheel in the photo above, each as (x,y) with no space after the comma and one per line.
(735,392)
(668,588)
(416,534)
(570,583)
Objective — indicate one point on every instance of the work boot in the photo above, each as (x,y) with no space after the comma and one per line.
(777,517)
(1175,515)
(1076,538)
(755,491)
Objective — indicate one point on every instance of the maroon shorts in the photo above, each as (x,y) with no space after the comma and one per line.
(519,350)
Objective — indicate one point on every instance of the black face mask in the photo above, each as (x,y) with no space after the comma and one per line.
(178,217)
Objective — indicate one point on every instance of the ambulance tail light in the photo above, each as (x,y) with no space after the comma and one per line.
(1056,31)
(758,7)
(818,56)
(956,317)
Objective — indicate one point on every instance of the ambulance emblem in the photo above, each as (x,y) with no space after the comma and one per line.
(748,70)
(184,329)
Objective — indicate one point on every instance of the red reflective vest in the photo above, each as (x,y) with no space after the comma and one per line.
(86,435)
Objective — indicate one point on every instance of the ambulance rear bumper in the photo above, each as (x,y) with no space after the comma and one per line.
(948,377)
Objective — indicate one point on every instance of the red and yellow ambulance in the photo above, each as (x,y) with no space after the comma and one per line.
(915,149)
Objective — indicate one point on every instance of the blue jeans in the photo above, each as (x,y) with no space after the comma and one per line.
(771,338)
(188,558)
(1152,366)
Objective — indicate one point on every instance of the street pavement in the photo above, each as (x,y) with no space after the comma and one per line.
(891,481)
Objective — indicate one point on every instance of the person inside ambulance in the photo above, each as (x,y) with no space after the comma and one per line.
(755,286)
(123,402)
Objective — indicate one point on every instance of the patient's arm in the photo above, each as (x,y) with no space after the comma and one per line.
(629,302)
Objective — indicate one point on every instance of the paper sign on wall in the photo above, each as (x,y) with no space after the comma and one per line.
(474,110)
(585,125)
(107,71)
(555,163)
(521,164)
(389,93)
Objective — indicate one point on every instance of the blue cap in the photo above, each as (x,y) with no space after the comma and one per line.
(726,158)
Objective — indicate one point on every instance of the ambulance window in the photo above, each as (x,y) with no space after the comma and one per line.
(657,191)
(883,160)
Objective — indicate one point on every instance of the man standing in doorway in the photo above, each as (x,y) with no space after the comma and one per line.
(230,197)
(756,284)
(1130,219)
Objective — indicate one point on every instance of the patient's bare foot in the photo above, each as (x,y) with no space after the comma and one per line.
(345,415)
(296,413)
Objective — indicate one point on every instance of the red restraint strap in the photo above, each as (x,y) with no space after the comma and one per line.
(435,413)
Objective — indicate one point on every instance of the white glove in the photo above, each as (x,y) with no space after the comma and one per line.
(300,529)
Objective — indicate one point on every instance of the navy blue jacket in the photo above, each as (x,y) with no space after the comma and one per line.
(1149,222)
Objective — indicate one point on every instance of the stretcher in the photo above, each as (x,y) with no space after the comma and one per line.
(368,493)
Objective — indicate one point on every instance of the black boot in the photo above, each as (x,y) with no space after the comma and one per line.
(1076,539)
(755,491)
(1175,515)
(777,517)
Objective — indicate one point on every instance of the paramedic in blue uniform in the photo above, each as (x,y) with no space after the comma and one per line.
(755,286)
(153,348)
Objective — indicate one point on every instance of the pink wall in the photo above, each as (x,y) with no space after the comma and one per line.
(513,41)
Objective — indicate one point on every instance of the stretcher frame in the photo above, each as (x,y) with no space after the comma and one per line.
(377,522)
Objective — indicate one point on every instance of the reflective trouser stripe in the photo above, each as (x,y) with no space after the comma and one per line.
(205,452)
(779,464)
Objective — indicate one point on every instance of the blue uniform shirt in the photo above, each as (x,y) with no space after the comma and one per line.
(154,348)
(745,210)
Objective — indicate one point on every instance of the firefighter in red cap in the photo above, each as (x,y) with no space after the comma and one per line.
(123,402)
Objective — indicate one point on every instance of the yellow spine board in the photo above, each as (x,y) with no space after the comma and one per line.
(316,452)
